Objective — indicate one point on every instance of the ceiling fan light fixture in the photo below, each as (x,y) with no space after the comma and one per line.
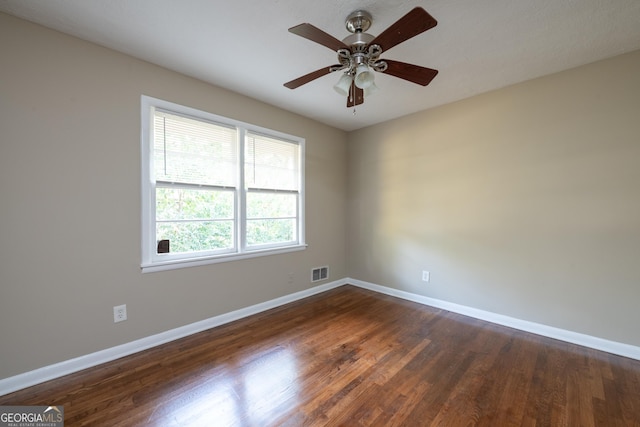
(364,76)
(343,85)
(359,53)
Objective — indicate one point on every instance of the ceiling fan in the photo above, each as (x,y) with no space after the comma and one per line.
(359,53)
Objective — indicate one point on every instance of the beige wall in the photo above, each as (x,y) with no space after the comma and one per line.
(70,202)
(523,201)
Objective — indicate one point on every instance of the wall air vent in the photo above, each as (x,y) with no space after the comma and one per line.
(319,273)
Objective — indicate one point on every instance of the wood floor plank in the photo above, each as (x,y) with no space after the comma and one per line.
(351,357)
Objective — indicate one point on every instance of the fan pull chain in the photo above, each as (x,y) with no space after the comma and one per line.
(352,94)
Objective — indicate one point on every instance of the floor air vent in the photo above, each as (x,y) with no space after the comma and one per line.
(319,273)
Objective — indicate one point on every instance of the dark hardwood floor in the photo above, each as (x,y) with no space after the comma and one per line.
(352,357)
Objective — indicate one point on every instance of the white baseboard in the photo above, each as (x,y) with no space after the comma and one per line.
(589,341)
(37,376)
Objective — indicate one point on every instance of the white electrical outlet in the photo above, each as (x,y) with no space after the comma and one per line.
(425,276)
(119,313)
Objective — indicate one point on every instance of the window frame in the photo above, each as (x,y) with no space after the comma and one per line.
(151,260)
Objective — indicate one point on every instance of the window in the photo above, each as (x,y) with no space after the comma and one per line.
(215,189)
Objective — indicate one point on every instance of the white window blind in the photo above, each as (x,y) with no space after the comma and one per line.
(271,163)
(193,151)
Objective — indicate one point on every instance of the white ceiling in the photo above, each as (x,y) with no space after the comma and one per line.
(244,45)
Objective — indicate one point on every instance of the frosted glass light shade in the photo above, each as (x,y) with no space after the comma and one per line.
(343,85)
(364,76)
(371,90)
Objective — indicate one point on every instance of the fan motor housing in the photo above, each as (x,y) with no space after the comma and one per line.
(358,41)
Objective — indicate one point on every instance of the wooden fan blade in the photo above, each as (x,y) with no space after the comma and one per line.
(315,34)
(413,23)
(355,97)
(410,72)
(309,77)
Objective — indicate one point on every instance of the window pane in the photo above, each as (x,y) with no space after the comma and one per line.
(266,231)
(271,205)
(182,203)
(193,151)
(196,236)
(271,163)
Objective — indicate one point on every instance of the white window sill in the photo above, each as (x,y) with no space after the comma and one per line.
(194,262)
